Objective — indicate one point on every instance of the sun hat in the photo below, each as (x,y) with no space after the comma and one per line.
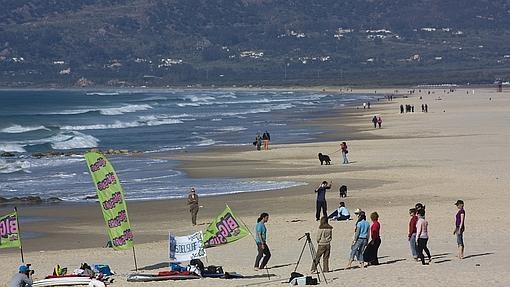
(357,211)
(460,201)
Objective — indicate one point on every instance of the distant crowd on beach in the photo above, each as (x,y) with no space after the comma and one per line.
(366,239)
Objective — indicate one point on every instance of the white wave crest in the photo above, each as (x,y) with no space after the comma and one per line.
(124,109)
(113,111)
(115,125)
(16,129)
(231,129)
(78,140)
(11,147)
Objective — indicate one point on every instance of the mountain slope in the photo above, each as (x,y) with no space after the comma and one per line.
(161,42)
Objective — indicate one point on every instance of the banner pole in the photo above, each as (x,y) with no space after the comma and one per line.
(134,258)
(19,236)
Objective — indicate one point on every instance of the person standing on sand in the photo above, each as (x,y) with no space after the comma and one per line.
(460,218)
(345,151)
(324,236)
(360,240)
(260,239)
(426,108)
(258,141)
(321,199)
(374,121)
(266,138)
(422,237)
(411,235)
(379,121)
(401,109)
(193,205)
(370,254)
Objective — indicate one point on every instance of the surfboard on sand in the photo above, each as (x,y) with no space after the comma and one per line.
(139,277)
(69,281)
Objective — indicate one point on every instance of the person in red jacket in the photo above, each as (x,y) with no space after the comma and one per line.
(411,236)
(370,255)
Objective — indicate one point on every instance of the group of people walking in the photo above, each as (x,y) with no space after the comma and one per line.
(262,140)
(377,120)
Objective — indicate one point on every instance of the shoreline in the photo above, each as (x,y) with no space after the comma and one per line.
(456,151)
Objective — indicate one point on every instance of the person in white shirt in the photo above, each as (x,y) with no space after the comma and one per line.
(422,237)
(341,213)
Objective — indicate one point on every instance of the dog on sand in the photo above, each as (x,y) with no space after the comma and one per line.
(324,159)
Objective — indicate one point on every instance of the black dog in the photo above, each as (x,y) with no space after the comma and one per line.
(324,158)
(343,191)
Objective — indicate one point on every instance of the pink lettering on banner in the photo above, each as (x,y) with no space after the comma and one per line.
(100,162)
(118,220)
(107,181)
(124,238)
(8,226)
(227,226)
(112,202)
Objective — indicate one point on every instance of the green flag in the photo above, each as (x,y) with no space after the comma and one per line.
(9,232)
(111,198)
(224,229)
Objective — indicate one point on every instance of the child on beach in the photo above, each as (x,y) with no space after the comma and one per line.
(324,236)
(360,240)
(459,227)
(260,239)
(411,236)
(422,237)
(343,147)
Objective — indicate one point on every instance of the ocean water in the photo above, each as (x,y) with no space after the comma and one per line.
(147,121)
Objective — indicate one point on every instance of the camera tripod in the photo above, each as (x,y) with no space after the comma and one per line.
(308,241)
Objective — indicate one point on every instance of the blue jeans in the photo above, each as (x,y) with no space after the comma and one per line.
(357,249)
(346,160)
(412,244)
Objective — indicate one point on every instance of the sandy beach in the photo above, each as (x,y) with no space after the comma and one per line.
(458,150)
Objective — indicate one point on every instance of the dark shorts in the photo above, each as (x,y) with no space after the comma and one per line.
(460,238)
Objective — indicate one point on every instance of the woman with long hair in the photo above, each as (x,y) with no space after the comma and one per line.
(324,236)
(260,239)
(370,254)
(345,151)
(422,237)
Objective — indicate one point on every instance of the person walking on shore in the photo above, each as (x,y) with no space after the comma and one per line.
(345,151)
(411,235)
(379,121)
(422,237)
(321,200)
(260,239)
(401,109)
(360,240)
(374,121)
(370,254)
(324,236)
(460,218)
(193,205)
(266,138)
